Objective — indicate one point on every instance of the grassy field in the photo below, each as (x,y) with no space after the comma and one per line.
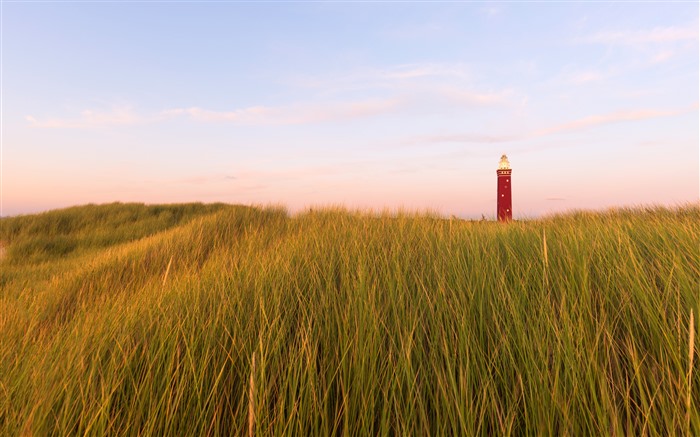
(232,320)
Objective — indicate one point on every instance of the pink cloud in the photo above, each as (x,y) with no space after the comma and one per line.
(655,35)
(579,124)
(251,115)
(391,77)
(299,114)
(586,76)
(466,97)
(595,120)
(121,116)
(464,138)
(254,115)
(662,57)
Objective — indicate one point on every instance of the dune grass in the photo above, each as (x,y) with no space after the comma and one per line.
(231,320)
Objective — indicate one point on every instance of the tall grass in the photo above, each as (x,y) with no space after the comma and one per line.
(235,320)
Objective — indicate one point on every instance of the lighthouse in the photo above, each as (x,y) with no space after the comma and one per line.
(504,208)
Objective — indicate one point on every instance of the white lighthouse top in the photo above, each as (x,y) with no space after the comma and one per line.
(504,164)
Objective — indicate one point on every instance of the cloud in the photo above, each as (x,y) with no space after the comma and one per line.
(655,35)
(470,98)
(463,138)
(294,114)
(578,124)
(420,86)
(391,77)
(249,115)
(413,71)
(596,120)
(662,56)
(254,115)
(121,116)
(586,77)
(423,99)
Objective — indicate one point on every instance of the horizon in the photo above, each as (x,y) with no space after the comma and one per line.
(370,106)
(380,212)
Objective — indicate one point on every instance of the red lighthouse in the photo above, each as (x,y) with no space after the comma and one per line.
(504,209)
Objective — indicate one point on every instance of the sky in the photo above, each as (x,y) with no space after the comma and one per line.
(370,105)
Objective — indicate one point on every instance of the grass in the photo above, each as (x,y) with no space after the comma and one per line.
(231,320)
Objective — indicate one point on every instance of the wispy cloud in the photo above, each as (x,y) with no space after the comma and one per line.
(121,116)
(254,115)
(471,98)
(574,125)
(295,114)
(423,84)
(249,115)
(662,56)
(445,98)
(613,117)
(463,138)
(583,77)
(389,77)
(414,71)
(419,86)
(655,35)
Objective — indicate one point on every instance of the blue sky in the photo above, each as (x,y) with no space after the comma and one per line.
(363,104)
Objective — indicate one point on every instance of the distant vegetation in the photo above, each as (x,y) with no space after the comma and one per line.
(232,320)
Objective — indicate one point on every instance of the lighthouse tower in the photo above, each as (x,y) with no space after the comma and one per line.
(504,209)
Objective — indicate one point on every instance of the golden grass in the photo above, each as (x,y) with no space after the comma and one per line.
(227,320)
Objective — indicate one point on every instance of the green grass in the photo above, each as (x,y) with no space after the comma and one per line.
(229,320)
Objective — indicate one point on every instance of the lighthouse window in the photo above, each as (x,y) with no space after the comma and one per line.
(502,195)
(507,180)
